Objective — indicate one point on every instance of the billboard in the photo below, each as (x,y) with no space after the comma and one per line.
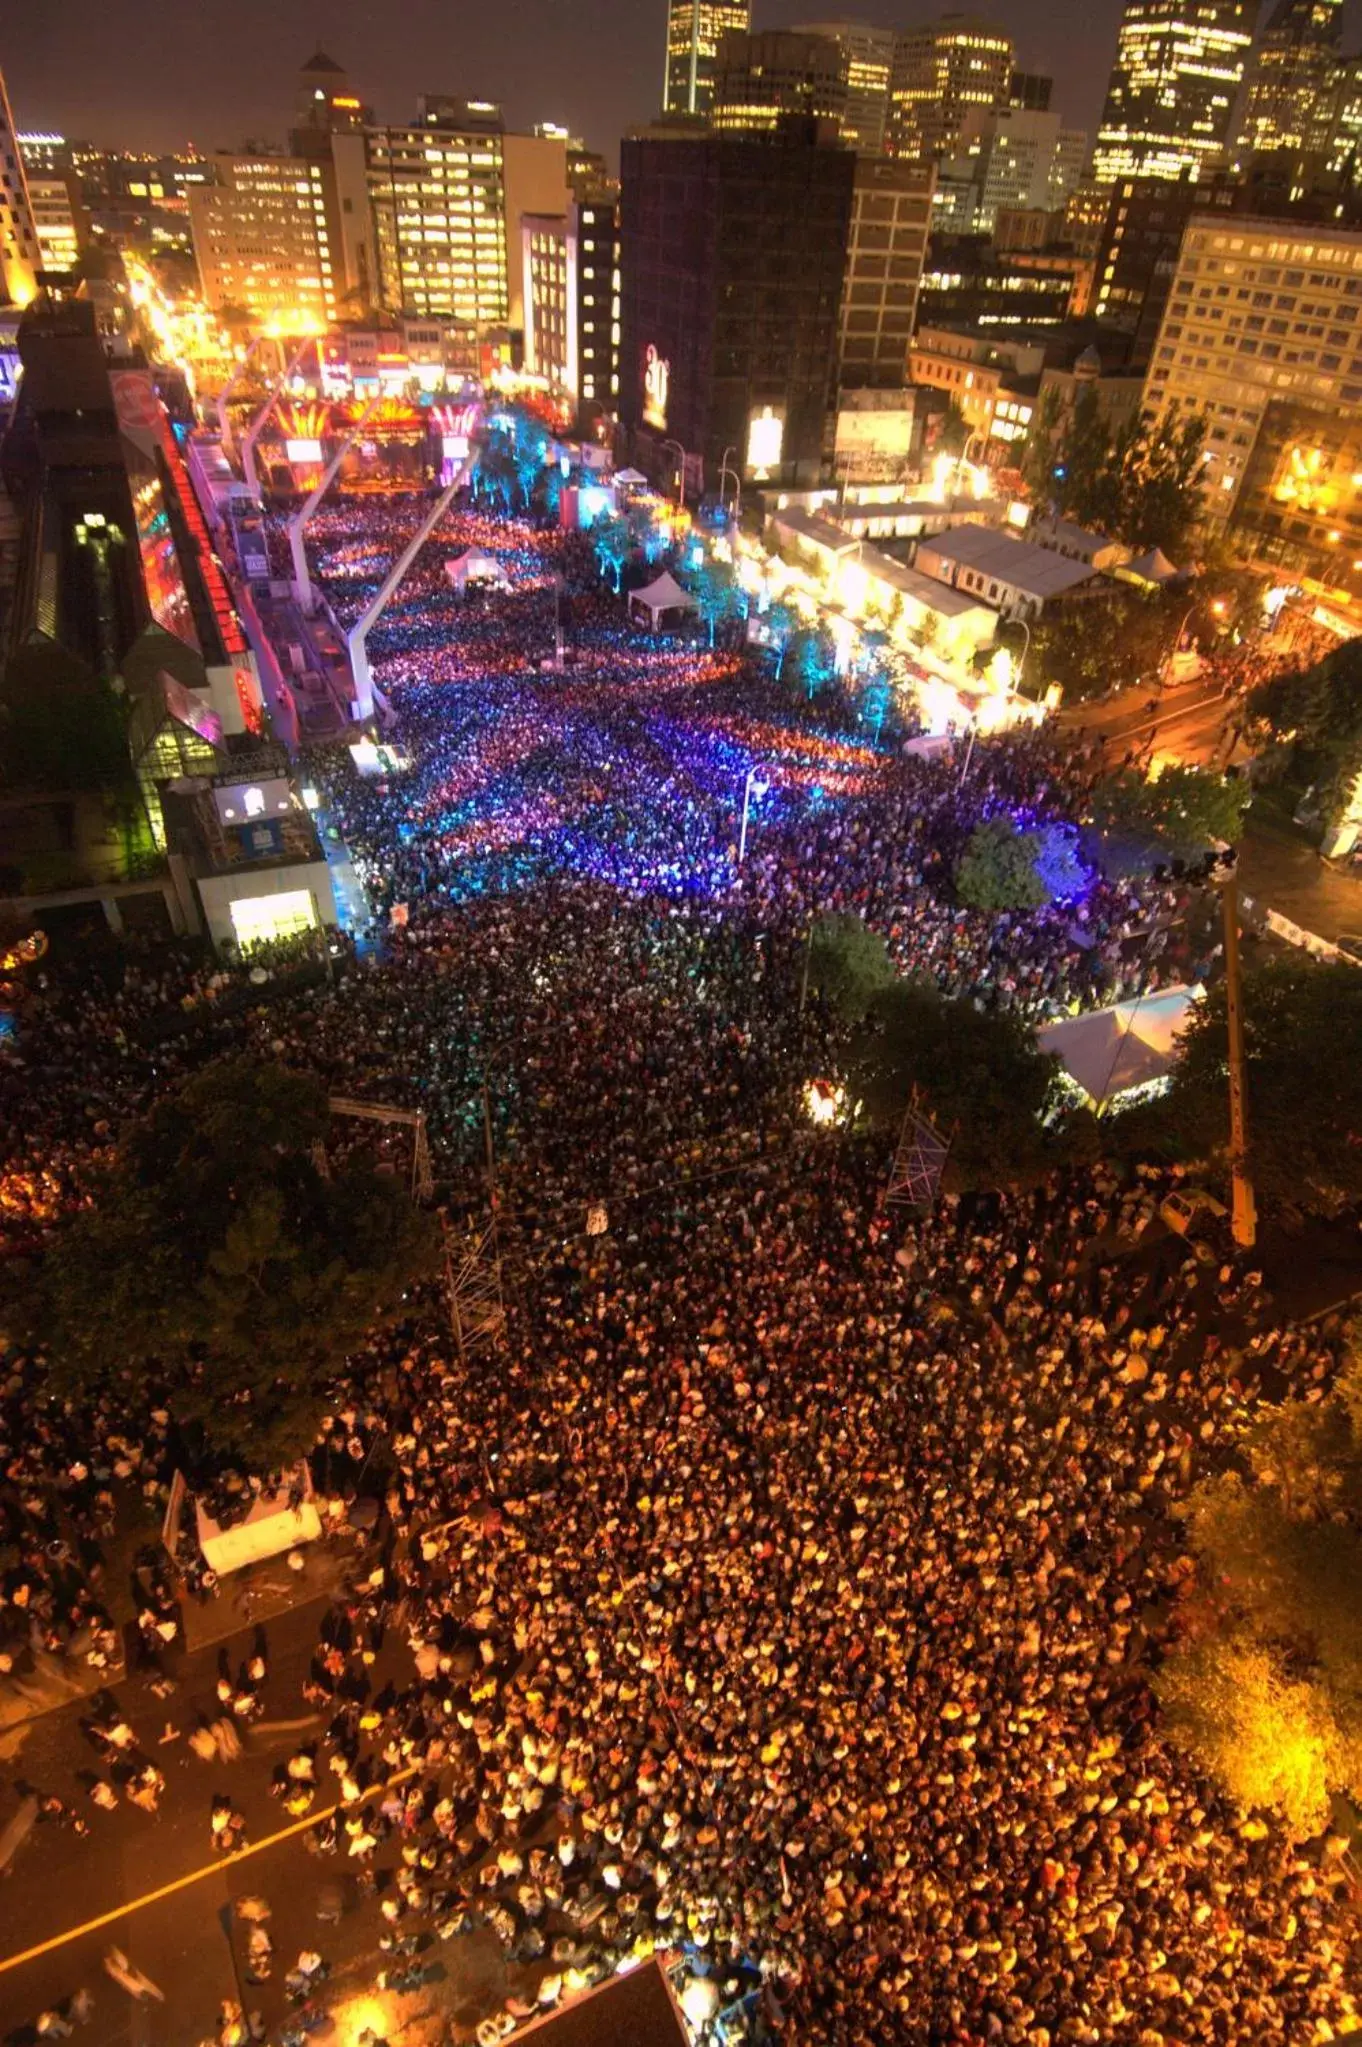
(657,380)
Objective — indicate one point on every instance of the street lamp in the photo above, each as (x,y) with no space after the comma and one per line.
(682,474)
(725,470)
(960,462)
(754,785)
(1177,642)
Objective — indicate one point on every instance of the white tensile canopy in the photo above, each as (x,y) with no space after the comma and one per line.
(632,479)
(665,594)
(474,565)
(1153,567)
(1109,1051)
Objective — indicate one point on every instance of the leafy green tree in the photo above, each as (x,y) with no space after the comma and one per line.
(782,623)
(849,964)
(1004,868)
(1184,808)
(1265,1686)
(952,437)
(976,1073)
(718,599)
(1303,1080)
(1163,483)
(1316,718)
(613,543)
(221,1270)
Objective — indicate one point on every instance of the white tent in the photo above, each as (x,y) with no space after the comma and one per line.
(632,479)
(1109,1051)
(271,1526)
(1153,567)
(663,595)
(474,565)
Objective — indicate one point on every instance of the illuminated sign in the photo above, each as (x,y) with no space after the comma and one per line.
(454,446)
(765,441)
(657,378)
(303,451)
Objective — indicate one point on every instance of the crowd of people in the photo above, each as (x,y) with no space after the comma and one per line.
(784,1590)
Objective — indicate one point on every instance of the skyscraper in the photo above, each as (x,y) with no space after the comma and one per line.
(19,258)
(1291,92)
(940,72)
(1178,68)
(761,78)
(870,67)
(694,29)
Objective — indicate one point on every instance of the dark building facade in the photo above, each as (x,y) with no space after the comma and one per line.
(732,255)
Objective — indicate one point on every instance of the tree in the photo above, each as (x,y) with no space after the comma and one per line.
(1184,808)
(613,543)
(1041,451)
(1004,868)
(717,596)
(1265,1686)
(782,623)
(1098,645)
(1163,483)
(1316,718)
(1302,1028)
(849,964)
(221,1271)
(977,1073)
(953,434)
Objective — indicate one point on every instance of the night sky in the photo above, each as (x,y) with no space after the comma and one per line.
(216,71)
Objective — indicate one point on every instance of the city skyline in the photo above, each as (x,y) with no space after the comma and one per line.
(595,65)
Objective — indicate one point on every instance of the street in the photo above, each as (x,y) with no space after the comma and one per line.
(67,1900)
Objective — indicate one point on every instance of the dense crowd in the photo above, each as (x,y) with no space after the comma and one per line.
(784,1590)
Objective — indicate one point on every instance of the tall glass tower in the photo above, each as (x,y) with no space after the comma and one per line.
(1179,65)
(694,28)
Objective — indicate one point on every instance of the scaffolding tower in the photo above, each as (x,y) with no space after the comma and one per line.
(422,1179)
(919,1161)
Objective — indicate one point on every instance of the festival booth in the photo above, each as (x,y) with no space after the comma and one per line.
(1111,1055)
(269,1528)
(660,597)
(1152,571)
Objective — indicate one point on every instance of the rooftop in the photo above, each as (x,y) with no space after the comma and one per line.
(1035,570)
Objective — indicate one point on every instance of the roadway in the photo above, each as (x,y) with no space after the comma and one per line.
(150,1884)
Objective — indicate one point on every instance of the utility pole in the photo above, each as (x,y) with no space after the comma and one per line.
(1243,1213)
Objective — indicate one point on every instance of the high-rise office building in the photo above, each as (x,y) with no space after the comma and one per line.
(759,79)
(870,68)
(59,220)
(19,253)
(1137,256)
(264,244)
(695,29)
(1029,92)
(891,210)
(1260,311)
(733,250)
(598,292)
(437,195)
(1291,91)
(1007,158)
(940,72)
(1178,70)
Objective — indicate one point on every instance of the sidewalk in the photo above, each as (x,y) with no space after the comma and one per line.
(266,1590)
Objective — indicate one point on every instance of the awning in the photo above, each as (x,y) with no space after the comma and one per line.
(665,594)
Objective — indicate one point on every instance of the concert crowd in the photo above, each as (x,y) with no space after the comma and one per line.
(782,1586)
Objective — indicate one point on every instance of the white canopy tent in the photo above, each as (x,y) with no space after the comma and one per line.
(1152,568)
(1107,1052)
(663,595)
(632,479)
(474,565)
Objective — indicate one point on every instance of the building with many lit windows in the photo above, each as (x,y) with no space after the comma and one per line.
(940,72)
(1291,91)
(1260,312)
(869,55)
(1007,157)
(437,195)
(761,78)
(598,294)
(549,287)
(19,254)
(264,245)
(1173,86)
(890,221)
(695,29)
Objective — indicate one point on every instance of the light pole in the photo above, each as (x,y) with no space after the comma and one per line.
(754,785)
(1025,625)
(1243,1211)
(725,470)
(960,462)
(682,472)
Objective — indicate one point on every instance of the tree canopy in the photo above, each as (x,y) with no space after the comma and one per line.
(976,1073)
(1183,808)
(1317,716)
(221,1270)
(849,964)
(1265,1686)
(1302,1028)
(1004,867)
(1133,479)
